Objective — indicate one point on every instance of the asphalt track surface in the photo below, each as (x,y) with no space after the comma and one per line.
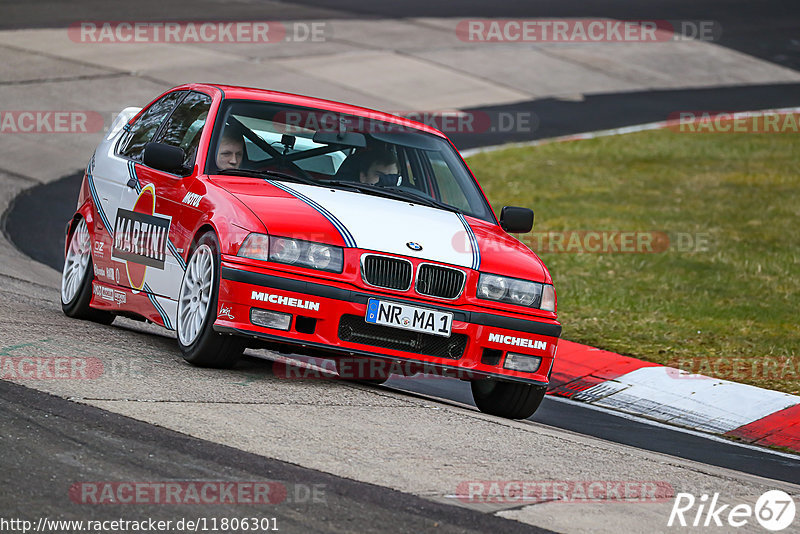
(555,117)
(35,223)
(78,442)
(766,29)
(112,447)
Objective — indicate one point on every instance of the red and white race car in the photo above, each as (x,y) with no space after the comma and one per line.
(242,217)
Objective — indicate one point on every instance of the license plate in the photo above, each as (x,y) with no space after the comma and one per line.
(397,315)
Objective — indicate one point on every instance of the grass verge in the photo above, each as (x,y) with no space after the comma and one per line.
(721,297)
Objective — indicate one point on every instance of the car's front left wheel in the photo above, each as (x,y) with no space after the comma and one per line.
(513,400)
(197,305)
(77,277)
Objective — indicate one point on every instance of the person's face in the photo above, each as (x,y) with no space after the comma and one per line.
(229,154)
(373,175)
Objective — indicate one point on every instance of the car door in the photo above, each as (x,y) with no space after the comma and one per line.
(134,203)
(166,202)
(108,177)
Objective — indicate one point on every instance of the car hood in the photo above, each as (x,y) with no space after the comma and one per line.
(380,224)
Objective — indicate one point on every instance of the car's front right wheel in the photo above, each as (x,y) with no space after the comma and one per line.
(513,400)
(197,306)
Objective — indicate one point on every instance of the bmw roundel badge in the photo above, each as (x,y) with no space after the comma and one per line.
(414,246)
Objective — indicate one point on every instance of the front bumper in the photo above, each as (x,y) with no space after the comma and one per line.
(330,318)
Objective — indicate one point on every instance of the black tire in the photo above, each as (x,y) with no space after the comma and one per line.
(512,400)
(78,306)
(210,349)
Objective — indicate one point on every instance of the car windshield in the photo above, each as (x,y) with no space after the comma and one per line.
(330,149)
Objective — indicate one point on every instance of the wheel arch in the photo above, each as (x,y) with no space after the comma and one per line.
(84,212)
(203,229)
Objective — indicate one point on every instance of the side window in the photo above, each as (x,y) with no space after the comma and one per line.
(145,127)
(185,125)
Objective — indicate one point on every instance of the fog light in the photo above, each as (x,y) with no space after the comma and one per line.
(522,362)
(270,319)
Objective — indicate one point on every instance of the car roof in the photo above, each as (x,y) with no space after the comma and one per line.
(232,92)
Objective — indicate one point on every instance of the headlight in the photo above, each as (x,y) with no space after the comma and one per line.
(284,250)
(293,252)
(515,291)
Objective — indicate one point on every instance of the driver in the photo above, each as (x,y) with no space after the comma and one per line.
(230,150)
(379,167)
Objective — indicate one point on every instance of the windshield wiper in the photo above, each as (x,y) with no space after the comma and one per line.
(426,199)
(393,193)
(272,174)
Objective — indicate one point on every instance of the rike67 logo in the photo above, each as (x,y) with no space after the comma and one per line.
(774,510)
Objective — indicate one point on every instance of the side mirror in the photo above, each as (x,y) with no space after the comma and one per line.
(165,158)
(516,220)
